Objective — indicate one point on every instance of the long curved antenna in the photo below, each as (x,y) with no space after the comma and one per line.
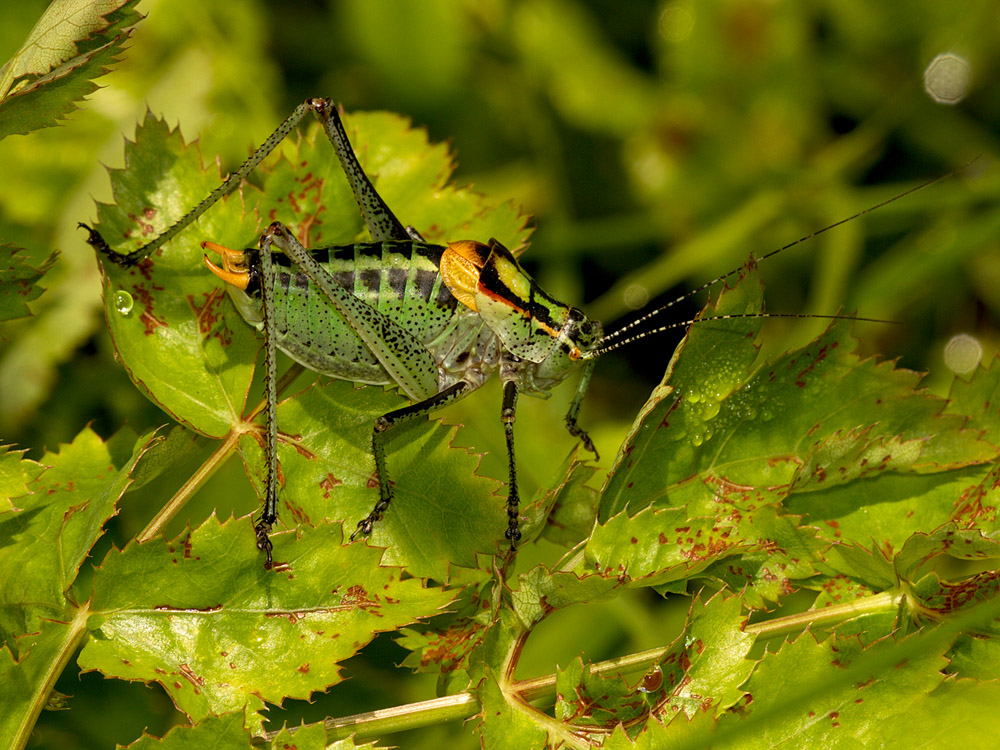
(682,323)
(639,321)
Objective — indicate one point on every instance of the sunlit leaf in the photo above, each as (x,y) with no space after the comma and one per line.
(201,616)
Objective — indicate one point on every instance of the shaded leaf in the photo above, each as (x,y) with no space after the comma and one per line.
(27,667)
(18,282)
(938,599)
(55,527)
(958,543)
(978,398)
(73,42)
(443,513)
(225,732)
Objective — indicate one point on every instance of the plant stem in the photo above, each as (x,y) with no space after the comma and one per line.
(466,705)
(207,469)
(72,638)
(155,527)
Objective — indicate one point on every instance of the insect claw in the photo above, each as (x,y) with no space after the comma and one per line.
(264,543)
(96,241)
(364,527)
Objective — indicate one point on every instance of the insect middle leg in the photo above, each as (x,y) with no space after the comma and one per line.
(382,426)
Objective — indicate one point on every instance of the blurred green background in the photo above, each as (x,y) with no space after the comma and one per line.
(656,144)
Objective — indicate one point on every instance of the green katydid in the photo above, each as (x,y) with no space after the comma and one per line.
(435,320)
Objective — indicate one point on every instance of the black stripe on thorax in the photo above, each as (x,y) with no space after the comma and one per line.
(534,309)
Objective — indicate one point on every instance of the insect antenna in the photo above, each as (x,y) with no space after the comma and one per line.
(642,319)
(684,323)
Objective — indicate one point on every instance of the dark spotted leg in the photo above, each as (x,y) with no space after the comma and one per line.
(382,426)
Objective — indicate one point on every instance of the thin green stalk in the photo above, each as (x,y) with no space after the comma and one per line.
(204,472)
(155,527)
(466,705)
(43,687)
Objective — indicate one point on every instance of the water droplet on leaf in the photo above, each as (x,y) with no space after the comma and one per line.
(123,302)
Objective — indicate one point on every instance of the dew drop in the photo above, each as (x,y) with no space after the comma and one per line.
(652,681)
(711,409)
(123,302)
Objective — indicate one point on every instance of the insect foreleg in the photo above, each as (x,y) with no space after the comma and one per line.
(269,514)
(385,423)
(574,410)
(231,183)
(381,221)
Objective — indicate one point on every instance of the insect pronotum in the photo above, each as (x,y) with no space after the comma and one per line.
(471,310)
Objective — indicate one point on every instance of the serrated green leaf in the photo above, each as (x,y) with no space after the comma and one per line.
(962,544)
(73,42)
(814,418)
(18,282)
(978,398)
(701,673)
(44,542)
(541,591)
(745,541)
(936,599)
(225,732)
(708,663)
(55,526)
(308,738)
(886,510)
(447,646)
(976,507)
(201,617)
(803,699)
(27,674)
(680,734)
(16,474)
(172,449)
(589,701)
(174,339)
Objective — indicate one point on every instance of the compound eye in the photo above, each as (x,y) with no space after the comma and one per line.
(574,354)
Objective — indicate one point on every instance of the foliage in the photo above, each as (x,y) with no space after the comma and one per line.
(829,526)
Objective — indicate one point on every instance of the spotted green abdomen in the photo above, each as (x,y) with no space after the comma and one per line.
(400,279)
